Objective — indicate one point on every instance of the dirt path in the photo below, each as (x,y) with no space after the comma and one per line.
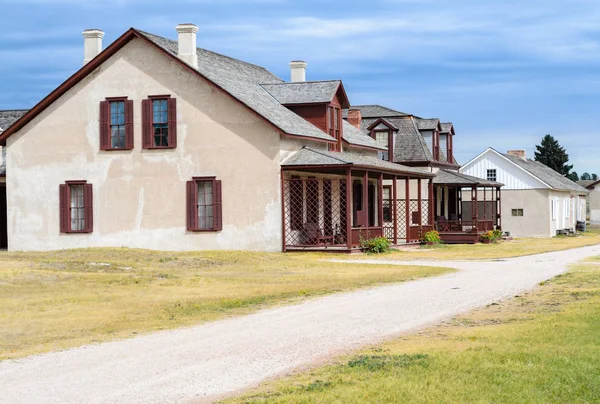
(225,356)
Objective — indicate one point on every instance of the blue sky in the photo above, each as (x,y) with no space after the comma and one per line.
(505,72)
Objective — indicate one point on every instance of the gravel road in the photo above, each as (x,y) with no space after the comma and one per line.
(207,361)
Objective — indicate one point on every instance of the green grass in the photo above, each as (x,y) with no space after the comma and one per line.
(542,347)
(62,299)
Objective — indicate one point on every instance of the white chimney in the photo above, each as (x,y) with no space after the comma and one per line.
(92,44)
(186,39)
(298,70)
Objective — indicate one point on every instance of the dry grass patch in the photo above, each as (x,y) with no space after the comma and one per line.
(542,347)
(56,300)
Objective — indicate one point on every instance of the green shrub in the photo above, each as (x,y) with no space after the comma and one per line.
(375,245)
(432,237)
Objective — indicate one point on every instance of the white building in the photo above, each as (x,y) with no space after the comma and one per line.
(536,200)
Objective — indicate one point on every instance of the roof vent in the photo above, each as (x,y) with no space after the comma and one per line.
(517,153)
(298,70)
(92,44)
(186,41)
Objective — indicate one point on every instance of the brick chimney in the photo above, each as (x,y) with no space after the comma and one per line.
(92,44)
(186,44)
(298,70)
(517,153)
(354,117)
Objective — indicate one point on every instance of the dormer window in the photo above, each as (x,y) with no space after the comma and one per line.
(335,123)
(383,138)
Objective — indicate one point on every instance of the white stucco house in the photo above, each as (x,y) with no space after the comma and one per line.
(155,143)
(593,202)
(536,200)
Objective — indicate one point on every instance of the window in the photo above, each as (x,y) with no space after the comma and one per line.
(116,124)
(491,174)
(383,138)
(517,212)
(204,211)
(567,208)
(554,208)
(159,122)
(76,207)
(335,121)
(387,203)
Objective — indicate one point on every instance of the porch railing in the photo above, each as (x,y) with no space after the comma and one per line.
(464,226)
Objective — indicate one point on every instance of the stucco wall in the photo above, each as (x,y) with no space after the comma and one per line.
(594,197)
(139,195)
(535,221)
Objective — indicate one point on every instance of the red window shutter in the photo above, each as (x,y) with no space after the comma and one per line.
(146,124)
(191,206)
(129,124)
(172,122)
(104,125)
(217,206)
(64,208)
(88,202)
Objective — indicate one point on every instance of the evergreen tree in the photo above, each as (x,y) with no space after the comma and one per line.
(553,155)
(586,176)
(594,177)
(573,176)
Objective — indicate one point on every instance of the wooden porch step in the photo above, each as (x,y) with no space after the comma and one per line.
(459,238)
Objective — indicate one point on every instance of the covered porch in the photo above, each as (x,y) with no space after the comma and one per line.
(331,201)
(465,206)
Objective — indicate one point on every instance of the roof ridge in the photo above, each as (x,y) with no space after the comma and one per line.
(301,82)
(204,50)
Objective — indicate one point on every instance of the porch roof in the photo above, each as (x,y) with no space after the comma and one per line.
(445,177)
(320,158)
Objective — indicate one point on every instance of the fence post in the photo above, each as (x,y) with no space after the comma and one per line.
(395,209)
(349,208)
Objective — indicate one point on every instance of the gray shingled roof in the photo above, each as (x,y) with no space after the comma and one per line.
(374,111)
(243,81)
(588,183)
(427,124)
(446,127)
(546,174)
(310,157)
(9,117)
(355,137)
(306,92)
(445,177)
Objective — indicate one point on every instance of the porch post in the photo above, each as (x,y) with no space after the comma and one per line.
(349,208)
(474,208)
(498,208)
(485,208)
(430,196)
(283,240)
(380,201)
(395,209)
(366,202)
(419,207)
(407,211)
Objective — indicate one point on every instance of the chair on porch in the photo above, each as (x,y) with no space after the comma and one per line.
(315,236)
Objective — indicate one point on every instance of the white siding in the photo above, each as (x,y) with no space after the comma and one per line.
(444,144)
(428,137)
(513,177)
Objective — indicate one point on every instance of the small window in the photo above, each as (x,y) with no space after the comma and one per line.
(76,207)
(159,122)
(116,124)
(517,212)
(491,175)
(204,211)
(383,138)
(335,121)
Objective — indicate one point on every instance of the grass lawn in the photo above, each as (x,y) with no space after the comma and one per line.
(56,300)
(542,347)
(503,249)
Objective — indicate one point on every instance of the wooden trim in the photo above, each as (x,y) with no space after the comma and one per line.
(192,210)
(365,195)
(380,199)
(65,208)
(407,210)
(349,207)
(104,120)
(283,233)
(98,61)
(431,202)
(395,208)
(419,201)
(377,122)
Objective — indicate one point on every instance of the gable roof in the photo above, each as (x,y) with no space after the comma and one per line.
(306,92)
(8,117)
(240,80)
(374,111)
(447,127)
(310,157)
(355,137)
(590,184)
(386,122)
(545,174)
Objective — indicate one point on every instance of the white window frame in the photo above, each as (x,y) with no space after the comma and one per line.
(554,208)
